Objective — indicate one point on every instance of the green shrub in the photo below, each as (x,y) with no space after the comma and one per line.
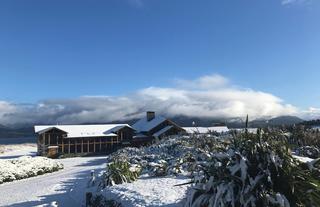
(302,136)
(121,171)
(101,201)
(256,170)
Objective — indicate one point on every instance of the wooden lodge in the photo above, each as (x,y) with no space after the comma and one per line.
(54,140)
(82,139)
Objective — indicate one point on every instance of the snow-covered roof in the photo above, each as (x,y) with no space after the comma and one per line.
(99,130)
(143,125)
(160,132)
(250,130)
(204,130)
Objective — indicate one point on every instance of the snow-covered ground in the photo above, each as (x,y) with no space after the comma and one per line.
(18,150)
(150,192)
(67,187)
(63,188)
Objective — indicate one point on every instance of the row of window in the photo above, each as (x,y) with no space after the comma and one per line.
(86,148)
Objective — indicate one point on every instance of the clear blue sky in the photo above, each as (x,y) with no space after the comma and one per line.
(64,48)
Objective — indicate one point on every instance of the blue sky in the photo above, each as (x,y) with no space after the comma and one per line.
(69,49)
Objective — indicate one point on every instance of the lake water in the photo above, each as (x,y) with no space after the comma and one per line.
(22,140)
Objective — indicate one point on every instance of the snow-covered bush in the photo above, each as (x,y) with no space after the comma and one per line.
(158,169)
(121,171)
(256,170)
(308,151)
(247,170)
(176,155)
(26,166)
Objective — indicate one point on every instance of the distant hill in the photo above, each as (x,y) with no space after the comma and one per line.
(2,126)
(7,132)
(285,120)
(237,122)
(184,121)
(277,121)
(315,122)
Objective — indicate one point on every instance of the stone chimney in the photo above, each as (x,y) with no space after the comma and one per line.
(150,115)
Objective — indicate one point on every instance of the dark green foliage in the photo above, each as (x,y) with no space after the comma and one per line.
(121,171)
(100,201)
(302,136)
(308,151)
(247,122)
(257,170)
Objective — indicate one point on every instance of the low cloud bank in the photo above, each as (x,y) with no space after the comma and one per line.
(208,96)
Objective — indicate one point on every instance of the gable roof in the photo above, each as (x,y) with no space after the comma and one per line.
(41,130)
(73,131)
(143,125)
(162,131)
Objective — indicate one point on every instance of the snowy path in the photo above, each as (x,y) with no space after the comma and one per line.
(66,187)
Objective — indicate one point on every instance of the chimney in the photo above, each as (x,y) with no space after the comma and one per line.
(150,115)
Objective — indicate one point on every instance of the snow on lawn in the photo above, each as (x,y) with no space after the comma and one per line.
(17,150)
(26,166)
(65,187)
(149,191)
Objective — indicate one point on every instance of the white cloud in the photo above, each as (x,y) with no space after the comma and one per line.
(204,82)
(221,102)
(6,108)
(137,3)
(288,2)
(208,96)
(311,113)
